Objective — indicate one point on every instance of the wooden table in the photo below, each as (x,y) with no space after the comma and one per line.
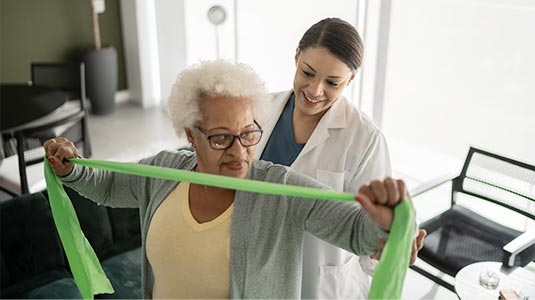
(519,279)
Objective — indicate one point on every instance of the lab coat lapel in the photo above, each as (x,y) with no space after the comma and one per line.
(335,117)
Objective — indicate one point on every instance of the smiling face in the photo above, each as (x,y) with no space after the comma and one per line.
(320,79)
(223,115)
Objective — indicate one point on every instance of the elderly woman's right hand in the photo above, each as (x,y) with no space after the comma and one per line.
(58,150)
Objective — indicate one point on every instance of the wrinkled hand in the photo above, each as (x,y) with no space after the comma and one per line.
(379,198)
(417,245)
(58,150)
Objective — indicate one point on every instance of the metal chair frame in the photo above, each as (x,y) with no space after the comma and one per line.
(71,81)
(459,186)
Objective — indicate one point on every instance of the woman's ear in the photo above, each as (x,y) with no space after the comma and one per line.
(353,74)
(189,136)
(297,52)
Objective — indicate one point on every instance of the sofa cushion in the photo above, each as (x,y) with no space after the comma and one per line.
(95,223)
(33,263)
(108,230)
(29,244)
(126,228)
(62,288)
(124,272)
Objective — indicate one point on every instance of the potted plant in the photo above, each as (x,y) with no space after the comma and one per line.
(100,68)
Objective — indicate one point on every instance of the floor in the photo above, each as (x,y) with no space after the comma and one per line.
(131,133)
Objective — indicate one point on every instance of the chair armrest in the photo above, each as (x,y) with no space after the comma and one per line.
(516,246)
(431,184)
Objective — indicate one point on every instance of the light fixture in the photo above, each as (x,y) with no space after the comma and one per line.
(217,15)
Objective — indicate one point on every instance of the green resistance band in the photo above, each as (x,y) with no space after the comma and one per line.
(387,281)
(85,266)
(389,275)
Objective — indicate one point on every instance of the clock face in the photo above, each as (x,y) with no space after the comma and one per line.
(217,15)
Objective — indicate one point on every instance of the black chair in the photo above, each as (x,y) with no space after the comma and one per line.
(459,236)
(70,78)
(70,122)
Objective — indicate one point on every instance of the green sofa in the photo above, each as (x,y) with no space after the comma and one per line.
(32,260)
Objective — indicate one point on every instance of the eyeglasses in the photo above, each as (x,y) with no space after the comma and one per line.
(225,141)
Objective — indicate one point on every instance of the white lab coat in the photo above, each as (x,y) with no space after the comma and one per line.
(345,151)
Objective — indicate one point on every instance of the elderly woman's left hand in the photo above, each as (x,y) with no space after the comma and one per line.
(379,198)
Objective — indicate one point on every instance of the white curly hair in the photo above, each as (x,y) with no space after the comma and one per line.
(214,78)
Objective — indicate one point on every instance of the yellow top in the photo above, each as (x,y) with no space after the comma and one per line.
(188,259)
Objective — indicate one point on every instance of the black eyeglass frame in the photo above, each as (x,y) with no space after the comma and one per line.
(234,136)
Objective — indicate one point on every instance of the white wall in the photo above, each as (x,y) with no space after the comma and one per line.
(458,72)
(259,33)
(269,32)
(141,51)
(171,33)
(263,34)
(462,72)
(203,37)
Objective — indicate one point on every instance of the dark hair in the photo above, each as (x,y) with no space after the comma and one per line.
(339,37)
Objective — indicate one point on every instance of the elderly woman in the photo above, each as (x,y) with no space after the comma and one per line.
(207,242)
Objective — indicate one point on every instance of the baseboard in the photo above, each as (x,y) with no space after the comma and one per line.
(122,96)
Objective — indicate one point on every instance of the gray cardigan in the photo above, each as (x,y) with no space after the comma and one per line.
(266,232)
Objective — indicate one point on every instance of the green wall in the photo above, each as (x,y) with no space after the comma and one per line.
(53,30)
